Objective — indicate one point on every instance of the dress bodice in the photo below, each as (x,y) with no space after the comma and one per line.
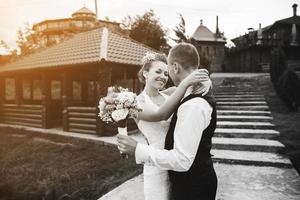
(155,132)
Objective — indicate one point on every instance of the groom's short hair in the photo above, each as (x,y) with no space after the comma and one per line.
(185,54)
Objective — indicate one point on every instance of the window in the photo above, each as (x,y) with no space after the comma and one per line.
(79,23)
(77,90)
(10,89)
(26,88)
(64,24)
(91,90)
(56,90)
(37,90)
(207,51)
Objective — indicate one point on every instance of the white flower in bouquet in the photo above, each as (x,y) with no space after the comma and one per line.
(120,114)
(124,97)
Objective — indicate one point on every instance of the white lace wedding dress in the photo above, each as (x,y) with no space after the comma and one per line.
(156,181)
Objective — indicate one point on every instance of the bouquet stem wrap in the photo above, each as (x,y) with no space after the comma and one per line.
(122,130)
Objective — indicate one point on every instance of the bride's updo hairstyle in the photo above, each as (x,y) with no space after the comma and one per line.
(147,61)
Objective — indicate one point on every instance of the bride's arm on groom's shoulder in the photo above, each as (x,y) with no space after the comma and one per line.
(168,107)
(169,91)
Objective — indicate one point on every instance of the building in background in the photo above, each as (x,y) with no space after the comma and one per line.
(60,85)
(252,51)
(210,45)
(53,31)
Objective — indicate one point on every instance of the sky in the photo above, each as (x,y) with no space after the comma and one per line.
(235,16)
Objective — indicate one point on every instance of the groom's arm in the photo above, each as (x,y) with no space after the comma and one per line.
(192,118)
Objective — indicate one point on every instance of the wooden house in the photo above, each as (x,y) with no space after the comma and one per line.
(60,86)
(252,51)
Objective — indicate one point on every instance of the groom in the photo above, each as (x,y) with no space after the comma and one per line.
(188,142)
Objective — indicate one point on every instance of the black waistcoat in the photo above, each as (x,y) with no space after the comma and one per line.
(202,161)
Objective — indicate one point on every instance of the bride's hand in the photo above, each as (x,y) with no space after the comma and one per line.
(196,77)
(203,88)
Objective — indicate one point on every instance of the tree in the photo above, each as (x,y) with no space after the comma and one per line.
(147,29)
(4,45)
(26,47)
(180,31)
(12,53)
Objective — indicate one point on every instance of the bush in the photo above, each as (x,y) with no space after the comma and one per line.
(286,82)
(288,87)
(277,65)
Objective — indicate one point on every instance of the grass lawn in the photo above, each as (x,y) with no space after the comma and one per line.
(36,166)
(288,124)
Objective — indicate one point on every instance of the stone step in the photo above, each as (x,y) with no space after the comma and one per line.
(245,133)
(247,144)
(239,103)
(238,92)
(241,99)
(233,107)
(250,158)
(244,118)
(254,125)
(244,112)
(240,95)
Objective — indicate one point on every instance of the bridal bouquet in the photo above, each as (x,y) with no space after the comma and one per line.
(118,105)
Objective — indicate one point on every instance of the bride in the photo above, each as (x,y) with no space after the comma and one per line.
(158,106)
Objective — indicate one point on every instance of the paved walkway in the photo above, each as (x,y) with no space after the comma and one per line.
(235,182)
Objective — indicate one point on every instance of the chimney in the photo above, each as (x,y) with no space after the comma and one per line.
(201,22)
(295,9)
(217,28)
(96,9)
(294,36)
(259,35)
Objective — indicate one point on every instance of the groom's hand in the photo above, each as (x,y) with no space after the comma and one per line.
(126,144)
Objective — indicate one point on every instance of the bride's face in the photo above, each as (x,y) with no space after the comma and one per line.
(157,76)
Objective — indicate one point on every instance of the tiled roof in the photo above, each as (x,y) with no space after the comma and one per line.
(287,21)
(87,47)
(125,50)
(290,20)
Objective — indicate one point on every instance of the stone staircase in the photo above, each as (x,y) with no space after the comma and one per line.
(245,133)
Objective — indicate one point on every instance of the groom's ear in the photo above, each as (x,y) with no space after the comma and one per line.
(176,68)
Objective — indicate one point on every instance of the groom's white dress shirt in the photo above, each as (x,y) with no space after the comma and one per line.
(193,117)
